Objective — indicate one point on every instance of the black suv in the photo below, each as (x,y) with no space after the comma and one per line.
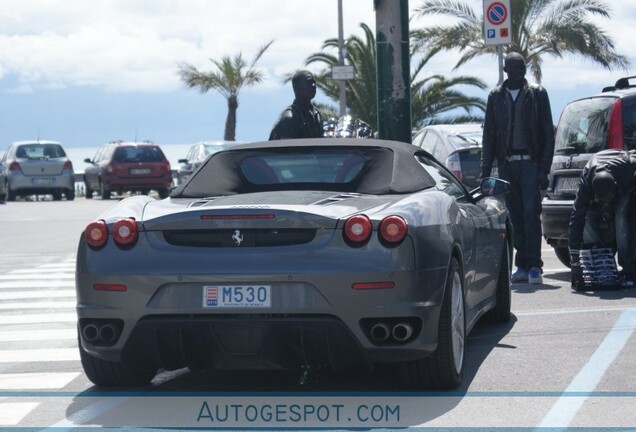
(588,125)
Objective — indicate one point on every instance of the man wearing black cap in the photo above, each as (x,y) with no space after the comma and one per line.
(603,198)
(301,119)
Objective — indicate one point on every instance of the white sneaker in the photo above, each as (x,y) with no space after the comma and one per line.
(534,276)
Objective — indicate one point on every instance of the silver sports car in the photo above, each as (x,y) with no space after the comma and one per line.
(295,254)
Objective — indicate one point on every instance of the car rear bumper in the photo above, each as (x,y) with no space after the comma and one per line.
(139,183)
(19,182)
(555,221)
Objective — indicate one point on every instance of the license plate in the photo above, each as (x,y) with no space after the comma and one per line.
(43,181)
(567,184)
(237,296)
(140,171)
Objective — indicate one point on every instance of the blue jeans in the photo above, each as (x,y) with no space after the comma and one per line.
(524,205)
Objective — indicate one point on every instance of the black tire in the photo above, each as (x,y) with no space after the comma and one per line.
(112,374)
(501,312)
(563,254)
(103,191)
(445,367)
(70,194)
(57,196)
(89,191)
(164,193)
(10,193)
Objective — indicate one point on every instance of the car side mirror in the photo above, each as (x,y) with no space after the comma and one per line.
(183,161)
(491,186)
(87,160)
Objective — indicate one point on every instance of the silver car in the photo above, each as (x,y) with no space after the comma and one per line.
(197,154)
(36,167)
(294,254)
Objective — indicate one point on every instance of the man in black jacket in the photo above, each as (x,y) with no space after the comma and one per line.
(603,199)
(301,119)
(519,135)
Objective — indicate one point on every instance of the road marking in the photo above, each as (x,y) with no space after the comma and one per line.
(38,335)
(43,269)
(572,311)
(39,355)
(40,294)
(87,414)
(38,318)
(44,276)
(37,381)
(39,305)
(564,410)
(38,284)
(12,413)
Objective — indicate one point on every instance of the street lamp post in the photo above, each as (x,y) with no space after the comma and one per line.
(341,83)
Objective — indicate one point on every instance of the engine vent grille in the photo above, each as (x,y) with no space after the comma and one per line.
(239,238)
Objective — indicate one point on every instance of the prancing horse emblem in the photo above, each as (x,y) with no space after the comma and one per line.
(237,237)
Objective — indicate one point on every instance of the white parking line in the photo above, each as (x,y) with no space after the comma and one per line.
(40,294)
(38,335)
(564,410)
(38,318)
(39,355)
(12,413)
(37,380)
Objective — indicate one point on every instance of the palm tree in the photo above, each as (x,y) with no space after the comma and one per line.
(430,97)
(230,76)
(538,28)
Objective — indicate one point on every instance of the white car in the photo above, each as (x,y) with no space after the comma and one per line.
(36,167)
(197,154)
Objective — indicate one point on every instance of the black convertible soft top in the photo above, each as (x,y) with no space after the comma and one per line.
(374,167)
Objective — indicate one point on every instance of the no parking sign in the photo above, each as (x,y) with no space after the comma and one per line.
(497,22)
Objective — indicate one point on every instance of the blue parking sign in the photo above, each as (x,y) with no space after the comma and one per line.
(491,33)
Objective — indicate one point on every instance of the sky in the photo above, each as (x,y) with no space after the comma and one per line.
(85,72)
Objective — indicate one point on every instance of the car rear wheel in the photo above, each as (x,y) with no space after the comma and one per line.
(89,191)
(103,191)
(112,374)
(563,254)
(70,194)
(10,193)
(501,312)
(57,196)
(444,368)
(163,193)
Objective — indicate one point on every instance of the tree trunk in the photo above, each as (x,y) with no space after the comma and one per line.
(230,121)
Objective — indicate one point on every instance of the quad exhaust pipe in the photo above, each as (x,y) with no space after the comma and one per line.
(383,332)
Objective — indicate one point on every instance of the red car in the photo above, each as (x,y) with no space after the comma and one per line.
(128,166)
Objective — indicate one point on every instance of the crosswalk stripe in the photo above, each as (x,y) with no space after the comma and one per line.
(37,335)
(40,294)
(39,355)
(38,284)
(44,276)
(38,305)
(12,413)
(37,380)
(38,318)
(66,269)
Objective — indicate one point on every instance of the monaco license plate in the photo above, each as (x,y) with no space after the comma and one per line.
(140,171)
(43,181)
(567,184)
(237,296)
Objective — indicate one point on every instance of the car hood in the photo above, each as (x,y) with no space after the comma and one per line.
(316,209)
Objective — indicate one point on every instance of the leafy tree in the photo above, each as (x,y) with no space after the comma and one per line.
(229,77)
(538,28)
(430,97)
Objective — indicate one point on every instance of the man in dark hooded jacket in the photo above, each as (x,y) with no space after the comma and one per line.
(603,200)
(301,119)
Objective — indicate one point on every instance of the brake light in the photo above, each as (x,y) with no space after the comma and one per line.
(15,166)
(616,127)
(68,165)
(393,229)
(125,231)
(110,287)
(372,285)
(166,166)
(96,234)
(357,228)
(454,165)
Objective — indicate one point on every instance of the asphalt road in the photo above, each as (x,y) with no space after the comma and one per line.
(565,359)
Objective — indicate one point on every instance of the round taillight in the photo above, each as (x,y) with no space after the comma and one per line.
(393,229)
(125,231)
(357,228)
(96,234)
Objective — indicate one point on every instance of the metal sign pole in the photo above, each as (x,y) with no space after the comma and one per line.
(341,83)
